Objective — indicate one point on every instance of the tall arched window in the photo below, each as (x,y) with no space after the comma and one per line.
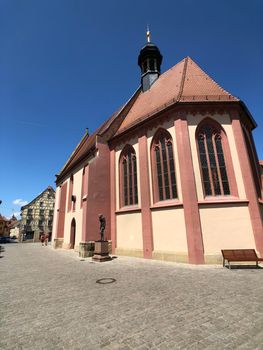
(128,177)
(163,167)
(70,192)
(213,147)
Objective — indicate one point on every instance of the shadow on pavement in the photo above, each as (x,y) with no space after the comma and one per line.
(244,267)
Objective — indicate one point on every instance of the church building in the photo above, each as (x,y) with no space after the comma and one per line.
(174,171)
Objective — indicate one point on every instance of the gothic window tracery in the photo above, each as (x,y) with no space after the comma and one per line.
(163,167)
(212,161)
(128,177)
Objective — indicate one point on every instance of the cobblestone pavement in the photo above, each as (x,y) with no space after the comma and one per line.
(50,300)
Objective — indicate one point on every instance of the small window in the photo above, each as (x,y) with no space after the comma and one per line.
(152,64)
(145,66)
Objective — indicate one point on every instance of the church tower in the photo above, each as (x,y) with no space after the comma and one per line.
(149,60)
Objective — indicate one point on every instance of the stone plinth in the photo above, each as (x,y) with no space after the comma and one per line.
(66,245)
(110,246)
(58,243)
(101,252)
(86,249)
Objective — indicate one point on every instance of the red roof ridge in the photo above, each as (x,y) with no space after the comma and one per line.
(169,70)
(183,79)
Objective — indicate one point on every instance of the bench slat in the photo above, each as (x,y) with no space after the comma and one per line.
(240,255)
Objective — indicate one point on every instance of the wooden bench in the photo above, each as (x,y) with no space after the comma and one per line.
(239,255)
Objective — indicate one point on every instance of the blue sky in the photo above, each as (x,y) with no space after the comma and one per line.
(69,64)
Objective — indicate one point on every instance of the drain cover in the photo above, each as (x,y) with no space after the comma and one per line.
(106,280)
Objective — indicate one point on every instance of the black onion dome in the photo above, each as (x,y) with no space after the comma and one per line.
(150,50)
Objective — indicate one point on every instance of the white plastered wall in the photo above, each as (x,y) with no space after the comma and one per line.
(55,218)
(129,231)
(226,228)
(225,121)
(77,214)
(169,230)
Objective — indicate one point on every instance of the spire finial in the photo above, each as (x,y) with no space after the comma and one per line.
(148,34)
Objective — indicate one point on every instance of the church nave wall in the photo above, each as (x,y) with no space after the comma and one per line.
(129,234)
(76,214)
(225,227)
(169,234)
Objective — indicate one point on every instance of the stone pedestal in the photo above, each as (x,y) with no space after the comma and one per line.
(101,252)
(58,243)
(86,249)
(66,245)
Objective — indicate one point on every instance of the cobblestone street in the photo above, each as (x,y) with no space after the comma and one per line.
(50,300)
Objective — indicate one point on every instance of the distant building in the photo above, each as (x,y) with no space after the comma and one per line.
(15,230)
(37,216)
(4,226)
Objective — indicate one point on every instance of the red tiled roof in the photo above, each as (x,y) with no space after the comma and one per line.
(3,218)
(87,143)
(185,82)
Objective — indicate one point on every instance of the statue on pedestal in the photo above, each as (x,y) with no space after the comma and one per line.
(102,226)
(101,251)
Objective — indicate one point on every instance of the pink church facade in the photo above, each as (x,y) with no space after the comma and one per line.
(175,172)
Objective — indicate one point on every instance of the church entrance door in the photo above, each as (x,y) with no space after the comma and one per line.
(72,233)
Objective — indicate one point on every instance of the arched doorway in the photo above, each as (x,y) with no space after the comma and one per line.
(72,233)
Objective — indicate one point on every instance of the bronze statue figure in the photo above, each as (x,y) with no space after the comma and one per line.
(102,226)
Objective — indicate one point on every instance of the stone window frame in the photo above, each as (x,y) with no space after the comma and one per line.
(162,183)
(128,174)
(218,134)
